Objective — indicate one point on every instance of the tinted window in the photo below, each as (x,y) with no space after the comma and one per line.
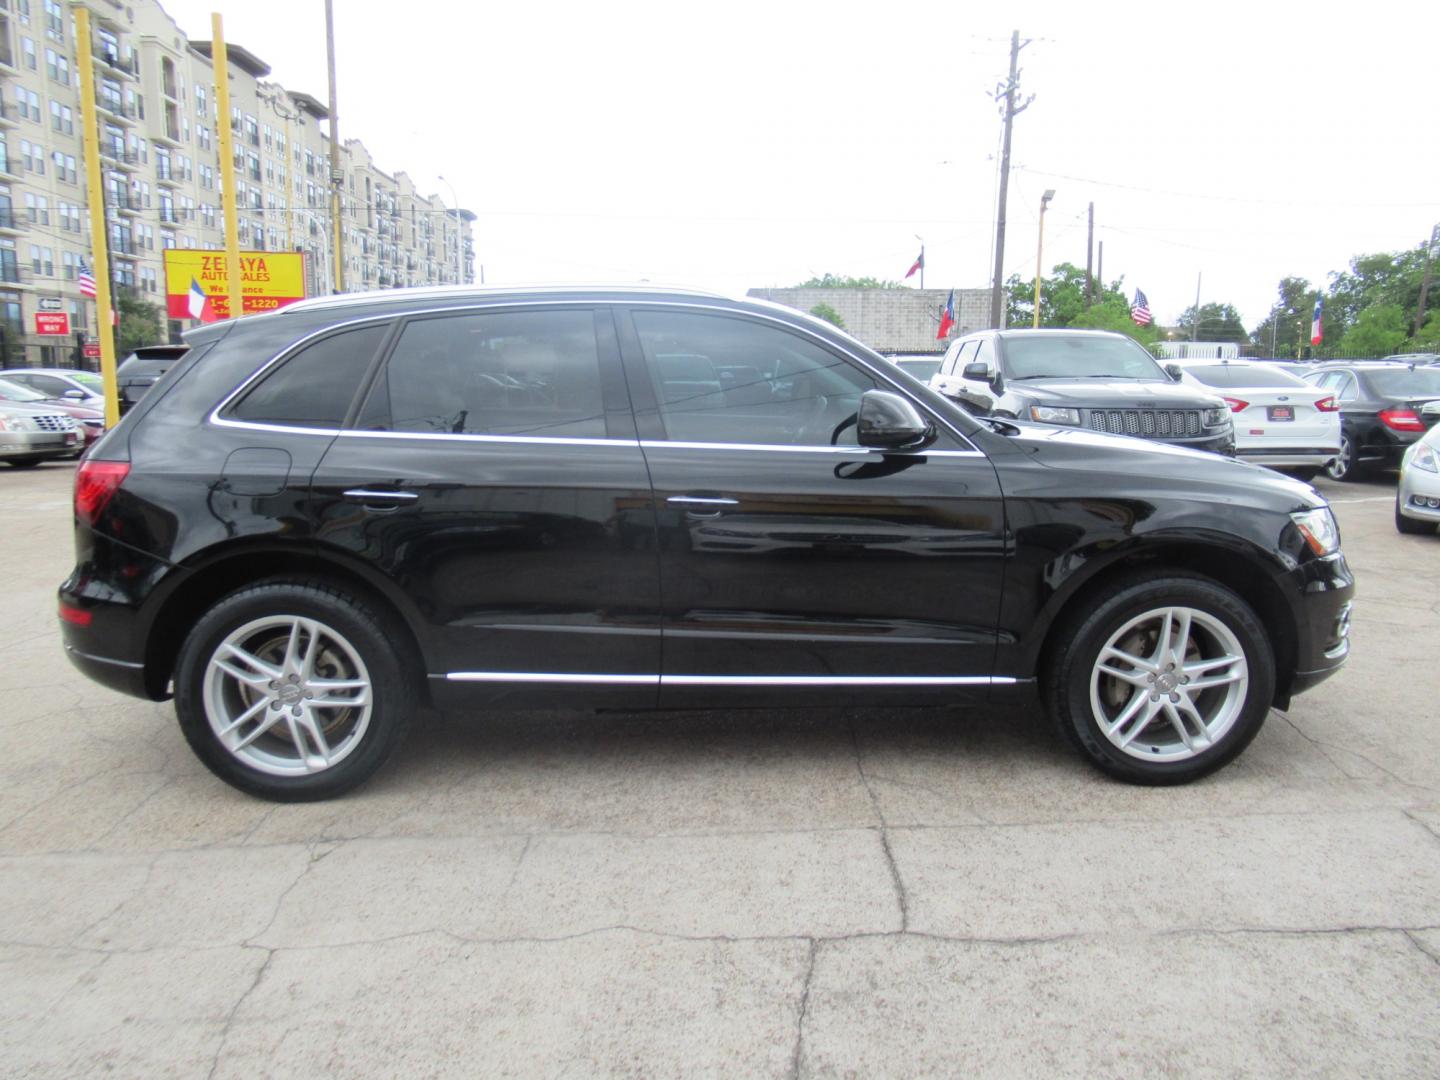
(1075,356)
(1402,382)
(919,369)
(314,387)
(984,353)
(1231,375)
(730,380)
(46,384)
(500,373)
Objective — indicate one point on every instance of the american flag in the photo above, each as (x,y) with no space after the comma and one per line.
(1140,309)
(87,281)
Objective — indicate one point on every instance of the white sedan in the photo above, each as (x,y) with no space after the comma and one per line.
(1280,419)
(1417,497)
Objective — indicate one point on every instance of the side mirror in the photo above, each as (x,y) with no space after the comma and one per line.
(74,395)
(977,370)
(1174,371)
(889,421)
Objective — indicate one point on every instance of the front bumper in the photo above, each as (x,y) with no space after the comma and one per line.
(38,445)
(1418,484)
(1326,590)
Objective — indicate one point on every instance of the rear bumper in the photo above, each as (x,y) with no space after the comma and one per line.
(1317,456)
(126,676)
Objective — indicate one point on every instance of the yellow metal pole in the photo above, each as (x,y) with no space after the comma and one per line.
(99,242)
(227,167)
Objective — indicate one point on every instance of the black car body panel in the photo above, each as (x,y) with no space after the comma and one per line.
(630,568)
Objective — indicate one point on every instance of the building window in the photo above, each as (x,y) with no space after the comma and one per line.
(55,21)
(32,60)
(42,261)
(38,209)
(33,157)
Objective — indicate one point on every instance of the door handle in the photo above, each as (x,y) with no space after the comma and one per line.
(381,500)
(701,500)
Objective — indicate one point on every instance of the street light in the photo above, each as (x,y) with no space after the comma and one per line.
(456,199)
(1039,251)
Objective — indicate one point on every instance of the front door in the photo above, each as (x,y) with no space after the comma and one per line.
(789,555)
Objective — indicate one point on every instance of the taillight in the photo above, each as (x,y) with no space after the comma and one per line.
(1237,405)
(1401,420)
(72,614)
(1327,404)
(95,484)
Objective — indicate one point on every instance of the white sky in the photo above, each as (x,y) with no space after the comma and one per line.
(747,144)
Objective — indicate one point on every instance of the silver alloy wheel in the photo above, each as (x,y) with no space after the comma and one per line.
(1169,684)
(287,695)
(1339,467)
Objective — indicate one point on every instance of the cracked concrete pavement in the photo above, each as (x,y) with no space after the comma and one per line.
(784,893)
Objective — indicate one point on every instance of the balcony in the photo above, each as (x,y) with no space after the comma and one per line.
(10,273)
(164,174)
(169,215)
(127,161)
(122,247)
(10,221)
(113,61)
(116,109)
(170,136)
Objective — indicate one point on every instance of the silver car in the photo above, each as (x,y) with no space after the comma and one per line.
(30,434)
(1417,498)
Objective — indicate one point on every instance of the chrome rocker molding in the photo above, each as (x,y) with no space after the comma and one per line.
(726,680)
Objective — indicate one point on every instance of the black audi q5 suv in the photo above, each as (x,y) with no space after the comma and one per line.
(323,517)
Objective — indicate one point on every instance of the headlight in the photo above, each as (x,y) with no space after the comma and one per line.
(1424,458)
(1318,528)
(1048,414)
(1215,417)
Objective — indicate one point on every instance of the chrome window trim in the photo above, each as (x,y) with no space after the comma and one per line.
(728,680)
(515,302)
(849,450)
(442,436)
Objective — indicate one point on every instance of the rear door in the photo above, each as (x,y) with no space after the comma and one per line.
(790,556)
(493,474)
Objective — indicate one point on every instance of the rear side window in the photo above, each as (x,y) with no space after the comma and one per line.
(314,387)
(534,373)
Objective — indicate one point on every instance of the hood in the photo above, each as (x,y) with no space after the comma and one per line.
(1115,394)
(1168,470)
(38,408)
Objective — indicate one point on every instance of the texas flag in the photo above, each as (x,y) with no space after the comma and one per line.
(200,306)
(1316,334)
(947,319)
(918,264)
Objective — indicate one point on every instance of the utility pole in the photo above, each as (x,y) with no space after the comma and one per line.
(1195,322)
(1009,111)
(1089,250)
(1040,251)
(337,177)
(1425,281)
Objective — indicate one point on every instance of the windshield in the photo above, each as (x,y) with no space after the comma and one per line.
(1078,356)
(1402,382)
(1232,375)
(13,391)
(919,369)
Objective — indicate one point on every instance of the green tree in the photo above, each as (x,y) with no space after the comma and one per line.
(829,314)
(1062,304)
(1383,278)
(835,281)
(1286,330)
(140,322)
(1217,322)
(1428,339)
(1379,329)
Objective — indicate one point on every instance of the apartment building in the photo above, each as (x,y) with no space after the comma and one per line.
(162,174)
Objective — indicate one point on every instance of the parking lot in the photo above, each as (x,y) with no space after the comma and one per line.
(773,893)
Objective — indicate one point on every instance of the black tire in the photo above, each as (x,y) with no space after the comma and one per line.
(1409,526)
(357,642)
(24,463)
(1344,467)
(1073,660)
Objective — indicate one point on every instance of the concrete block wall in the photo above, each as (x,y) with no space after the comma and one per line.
(893,320)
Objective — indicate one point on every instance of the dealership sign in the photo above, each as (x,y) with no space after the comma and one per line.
(197,283)
(52,322)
